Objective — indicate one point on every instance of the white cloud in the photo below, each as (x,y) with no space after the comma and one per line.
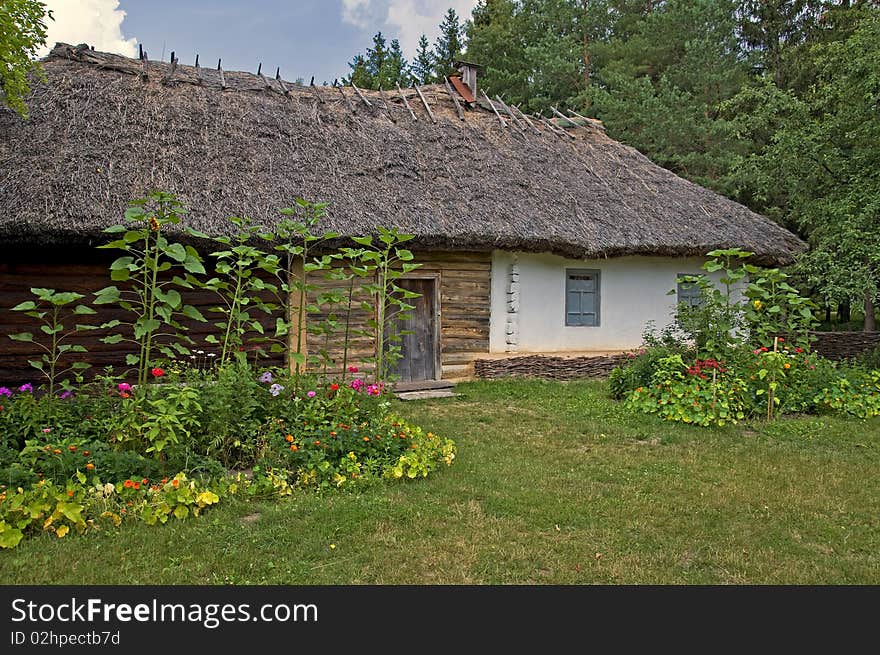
(406,20)
(96,22)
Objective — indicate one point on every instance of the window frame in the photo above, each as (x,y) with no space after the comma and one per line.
(689,299)
(597,273)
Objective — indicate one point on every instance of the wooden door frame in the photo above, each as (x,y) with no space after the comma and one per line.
(435,307)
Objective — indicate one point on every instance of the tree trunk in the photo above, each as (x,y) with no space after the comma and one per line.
(870,323)
(586,49)
(843,313)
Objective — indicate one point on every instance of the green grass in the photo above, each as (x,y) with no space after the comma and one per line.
(554,483)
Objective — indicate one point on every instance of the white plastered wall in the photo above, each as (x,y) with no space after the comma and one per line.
(528,301)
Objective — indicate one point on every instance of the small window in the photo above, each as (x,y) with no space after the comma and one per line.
(689,292)
(582,297)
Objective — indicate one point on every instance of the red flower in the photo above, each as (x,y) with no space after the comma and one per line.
(334,387)
(781,340)
(145,482)
(352,369)
(799,350)
(157,372)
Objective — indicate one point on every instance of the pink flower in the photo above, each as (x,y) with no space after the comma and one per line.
(26,388)
(311,394)
(357,384)
(47,430)
(123,386)
(374,390)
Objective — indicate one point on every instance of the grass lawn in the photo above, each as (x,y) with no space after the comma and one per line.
(554,483)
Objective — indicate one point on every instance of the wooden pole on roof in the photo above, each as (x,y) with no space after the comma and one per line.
(222,76)
(281,82)
(360,95)
(144,75)
(492,105)
(568,120)
(315,90)
(510,113)
(385,104)
(454,99)
(525,118)
(263,77)
(351,107)
(405,101)
(170,75)
(589,121)
(425,102)
(553,128)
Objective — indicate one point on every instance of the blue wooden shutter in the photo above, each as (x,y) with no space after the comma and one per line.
(689,292)
(581,297)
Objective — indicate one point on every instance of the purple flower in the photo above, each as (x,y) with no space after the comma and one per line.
(123,386)
(266,377)
(5,392)
(275,389)
(66,394)
(311,394)
(374,390)
(26,388)
(357,384)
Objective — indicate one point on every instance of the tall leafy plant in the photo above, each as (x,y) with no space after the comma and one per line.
(53,309)
(151,272)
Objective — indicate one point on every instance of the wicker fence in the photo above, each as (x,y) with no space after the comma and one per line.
(833,345)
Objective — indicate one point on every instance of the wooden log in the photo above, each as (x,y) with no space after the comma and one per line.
(559,114)
(298,333)
(222,76)
(351,107)
(492,105)
(406,102)
(360,95)
(315,90)
(167,79)
(556,130)
(425,103)
(526,119)
(281,83)
(385,104)
(455,101)
(592,122)
(510,113)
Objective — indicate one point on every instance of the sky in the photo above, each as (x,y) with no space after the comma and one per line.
(302,37)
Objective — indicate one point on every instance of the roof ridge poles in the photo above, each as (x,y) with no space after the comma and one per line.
(425,103)
(494,109)
(405,101)
(167,79)
(360,95)
(222,76)
(385,104)
(315,90)
(281,82)
(263,77)
(510,113)
(526,119)
(351,107)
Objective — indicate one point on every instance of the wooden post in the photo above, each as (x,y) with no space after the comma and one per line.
(281,82)
(351,107)
(360,95)
(568,120)
(296,315)
(406,102)
(425,102)
(315,90)
(526,119)
(222,77)
(510,113)
(592,122)
(492,105)
(385,104)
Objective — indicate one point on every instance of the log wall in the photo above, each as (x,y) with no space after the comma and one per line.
(85,271)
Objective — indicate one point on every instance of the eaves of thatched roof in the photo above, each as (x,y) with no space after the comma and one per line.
(105,129)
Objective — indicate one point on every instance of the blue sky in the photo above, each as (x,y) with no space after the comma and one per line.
(303,37)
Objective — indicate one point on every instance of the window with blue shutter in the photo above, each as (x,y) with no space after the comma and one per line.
(582,297)
(688,292)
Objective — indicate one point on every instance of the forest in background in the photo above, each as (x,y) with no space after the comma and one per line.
(774,103)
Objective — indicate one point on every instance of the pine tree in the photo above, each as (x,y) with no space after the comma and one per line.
(359,75)
(422,67)
(448,46)
(377,58)
(394,70)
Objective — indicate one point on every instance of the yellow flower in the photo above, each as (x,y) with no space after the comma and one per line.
(758,304)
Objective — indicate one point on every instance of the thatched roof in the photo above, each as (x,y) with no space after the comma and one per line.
(105,129)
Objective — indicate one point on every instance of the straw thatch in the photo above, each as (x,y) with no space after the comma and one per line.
(105,129)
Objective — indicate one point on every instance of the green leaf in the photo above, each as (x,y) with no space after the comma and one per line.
(172,297)
(113,338)
(107,295)
(27,305)
(181,511)
(37,364)
(114,229)
(131,359)
(22,336)
(193,265)
(191,312)
(176,251)
(82,310)
(364,241)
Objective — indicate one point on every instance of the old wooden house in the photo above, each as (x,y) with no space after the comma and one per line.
(536,235)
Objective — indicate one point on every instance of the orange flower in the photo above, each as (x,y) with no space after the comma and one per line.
(86,453)
(72,449)
(366,438)
(90,466)
(786,365)
(70,494)
(293,447)
(127,484)
(57,451)
(145,482)
(317,443)
(136,485)
(289,438)
(175,482)
(164,480)
(332,434)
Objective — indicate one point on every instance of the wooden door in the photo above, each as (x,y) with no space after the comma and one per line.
(419,343)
